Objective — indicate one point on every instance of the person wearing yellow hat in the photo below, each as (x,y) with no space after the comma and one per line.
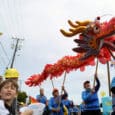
(12,73)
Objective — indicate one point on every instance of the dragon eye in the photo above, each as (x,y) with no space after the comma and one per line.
(96,29)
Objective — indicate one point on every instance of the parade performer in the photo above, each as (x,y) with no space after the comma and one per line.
(66,102)
(113,94)
(112,86)
(41,97)
(55,103)
(90,98)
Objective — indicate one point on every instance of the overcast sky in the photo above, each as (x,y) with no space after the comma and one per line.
(38,22)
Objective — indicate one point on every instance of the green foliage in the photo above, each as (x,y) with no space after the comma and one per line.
(22,97)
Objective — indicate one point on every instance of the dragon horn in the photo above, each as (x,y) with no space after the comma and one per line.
(84,23)
(78,29)
(67,34)
(72,24)
(73,32)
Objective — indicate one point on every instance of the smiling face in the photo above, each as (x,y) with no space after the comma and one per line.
(8,91)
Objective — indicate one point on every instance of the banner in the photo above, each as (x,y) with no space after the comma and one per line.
(107,105)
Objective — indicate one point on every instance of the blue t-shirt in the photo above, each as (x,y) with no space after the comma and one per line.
(41,99)
(91,99)
(67,103)
(54,103)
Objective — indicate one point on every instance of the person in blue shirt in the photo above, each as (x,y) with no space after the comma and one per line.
(74,110)
(46,109)
(90,98)
(55,102)
(82,108)
(41,97)
(113,95)
(66,102)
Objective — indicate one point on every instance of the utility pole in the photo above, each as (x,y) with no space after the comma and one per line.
(15,50)
(108,72)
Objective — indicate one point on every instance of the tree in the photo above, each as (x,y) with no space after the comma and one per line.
(22,97)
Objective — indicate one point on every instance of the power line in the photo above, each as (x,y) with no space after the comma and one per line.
(17,15)
(6,8)
(3,61)
(4,19)
(4,51)
(21,17)
(8,64)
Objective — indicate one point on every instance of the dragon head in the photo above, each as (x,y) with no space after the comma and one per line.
(95,37)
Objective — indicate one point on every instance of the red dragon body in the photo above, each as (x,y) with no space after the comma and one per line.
(96,40)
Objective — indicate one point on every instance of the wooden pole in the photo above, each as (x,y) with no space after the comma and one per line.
(108,72)
(63,82)
(52,83)
(111,53)
(64,79)
(61,89)
(95,73)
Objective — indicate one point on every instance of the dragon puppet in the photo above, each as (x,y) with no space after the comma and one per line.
(96,40)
